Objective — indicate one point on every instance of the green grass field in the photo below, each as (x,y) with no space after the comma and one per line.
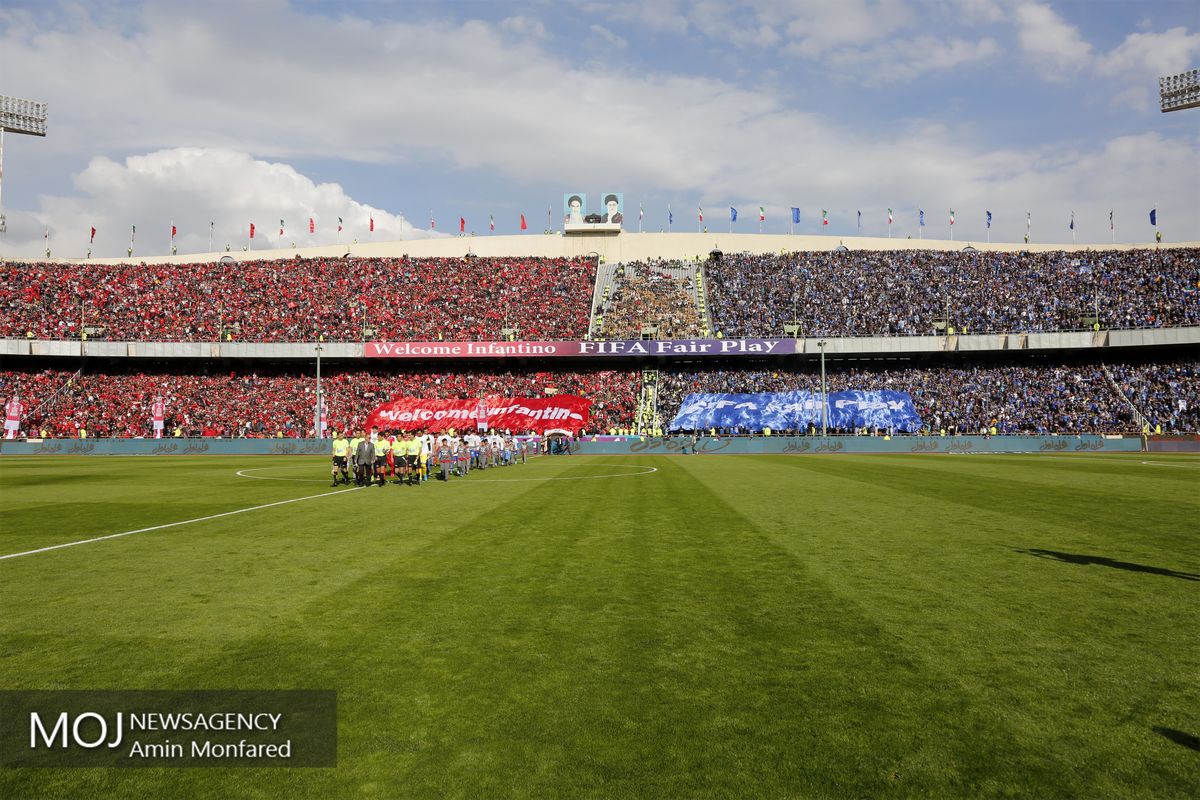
(725,626)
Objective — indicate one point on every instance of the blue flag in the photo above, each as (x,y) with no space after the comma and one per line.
(860,219)
(989,218)
(795,215)
(796,410)
(670,216)
(922,211)
(1154,216)
(1072,225)
(732,214)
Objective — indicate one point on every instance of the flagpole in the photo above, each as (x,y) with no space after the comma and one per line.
(210,233)
(171,238)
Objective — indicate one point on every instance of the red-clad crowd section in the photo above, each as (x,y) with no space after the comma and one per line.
(300,300)
(270,401)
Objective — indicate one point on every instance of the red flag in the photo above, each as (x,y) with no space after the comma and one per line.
(523,225)
(312,226)
(174,231)
(462,225)
(562,412)
(251,230)
(491,223)
(372,223)
(93,239)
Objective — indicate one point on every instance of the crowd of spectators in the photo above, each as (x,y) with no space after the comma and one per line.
(1168,394)
(272,402)
(1050,398)
(658,295)
(388,299)
(918,292)
(1042,398)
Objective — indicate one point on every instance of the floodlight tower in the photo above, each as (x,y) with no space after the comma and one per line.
(18,116)
(1177,92)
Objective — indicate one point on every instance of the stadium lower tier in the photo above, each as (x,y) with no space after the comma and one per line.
(108,400)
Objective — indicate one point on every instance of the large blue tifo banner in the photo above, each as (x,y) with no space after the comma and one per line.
(782,411)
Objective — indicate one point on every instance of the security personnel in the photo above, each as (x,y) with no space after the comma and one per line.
(341,455)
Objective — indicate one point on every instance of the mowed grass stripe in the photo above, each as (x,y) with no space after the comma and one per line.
(649,656)
(707,630)
(1029,635)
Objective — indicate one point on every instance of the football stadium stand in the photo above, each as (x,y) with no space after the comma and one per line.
(1079,340)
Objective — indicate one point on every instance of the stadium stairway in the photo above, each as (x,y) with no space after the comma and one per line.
(606,277)
(49,403)
(1138,416)
(701,291)
(647,413)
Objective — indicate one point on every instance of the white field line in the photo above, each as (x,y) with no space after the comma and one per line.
(1169,464)
(174,524)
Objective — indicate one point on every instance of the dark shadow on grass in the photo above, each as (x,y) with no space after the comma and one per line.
(1101,561)
(1179,737)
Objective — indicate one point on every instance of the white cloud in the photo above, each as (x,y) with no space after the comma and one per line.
(1050,40)
(524,26)
(1153,54)
(471,97)
(903,60)
(609,37)
(191,187)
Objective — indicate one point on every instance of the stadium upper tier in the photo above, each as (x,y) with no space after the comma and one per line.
(853,293)
(1057,397)
(391,299)
(919,292)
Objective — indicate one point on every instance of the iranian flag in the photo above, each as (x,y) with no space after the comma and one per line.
(762,214)
(700,210)
(94,232)
(952,216)
(491,223)
(824,217)
(281,227)
(339,224)
(889,216)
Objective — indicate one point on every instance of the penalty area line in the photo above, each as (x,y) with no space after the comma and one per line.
(174,524)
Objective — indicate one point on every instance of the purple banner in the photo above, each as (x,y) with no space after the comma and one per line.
(629,347)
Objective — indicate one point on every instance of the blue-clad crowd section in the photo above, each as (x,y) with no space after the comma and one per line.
(762,445)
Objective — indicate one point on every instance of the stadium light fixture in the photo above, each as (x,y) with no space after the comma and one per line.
(18,116)
(1177,92)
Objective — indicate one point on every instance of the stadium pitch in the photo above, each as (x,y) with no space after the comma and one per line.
(690,626)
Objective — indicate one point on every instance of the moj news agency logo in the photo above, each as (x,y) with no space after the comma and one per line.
(204,728)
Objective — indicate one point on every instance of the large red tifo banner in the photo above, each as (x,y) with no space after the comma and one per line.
(563,412)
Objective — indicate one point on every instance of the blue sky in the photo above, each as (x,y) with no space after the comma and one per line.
(233,112)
